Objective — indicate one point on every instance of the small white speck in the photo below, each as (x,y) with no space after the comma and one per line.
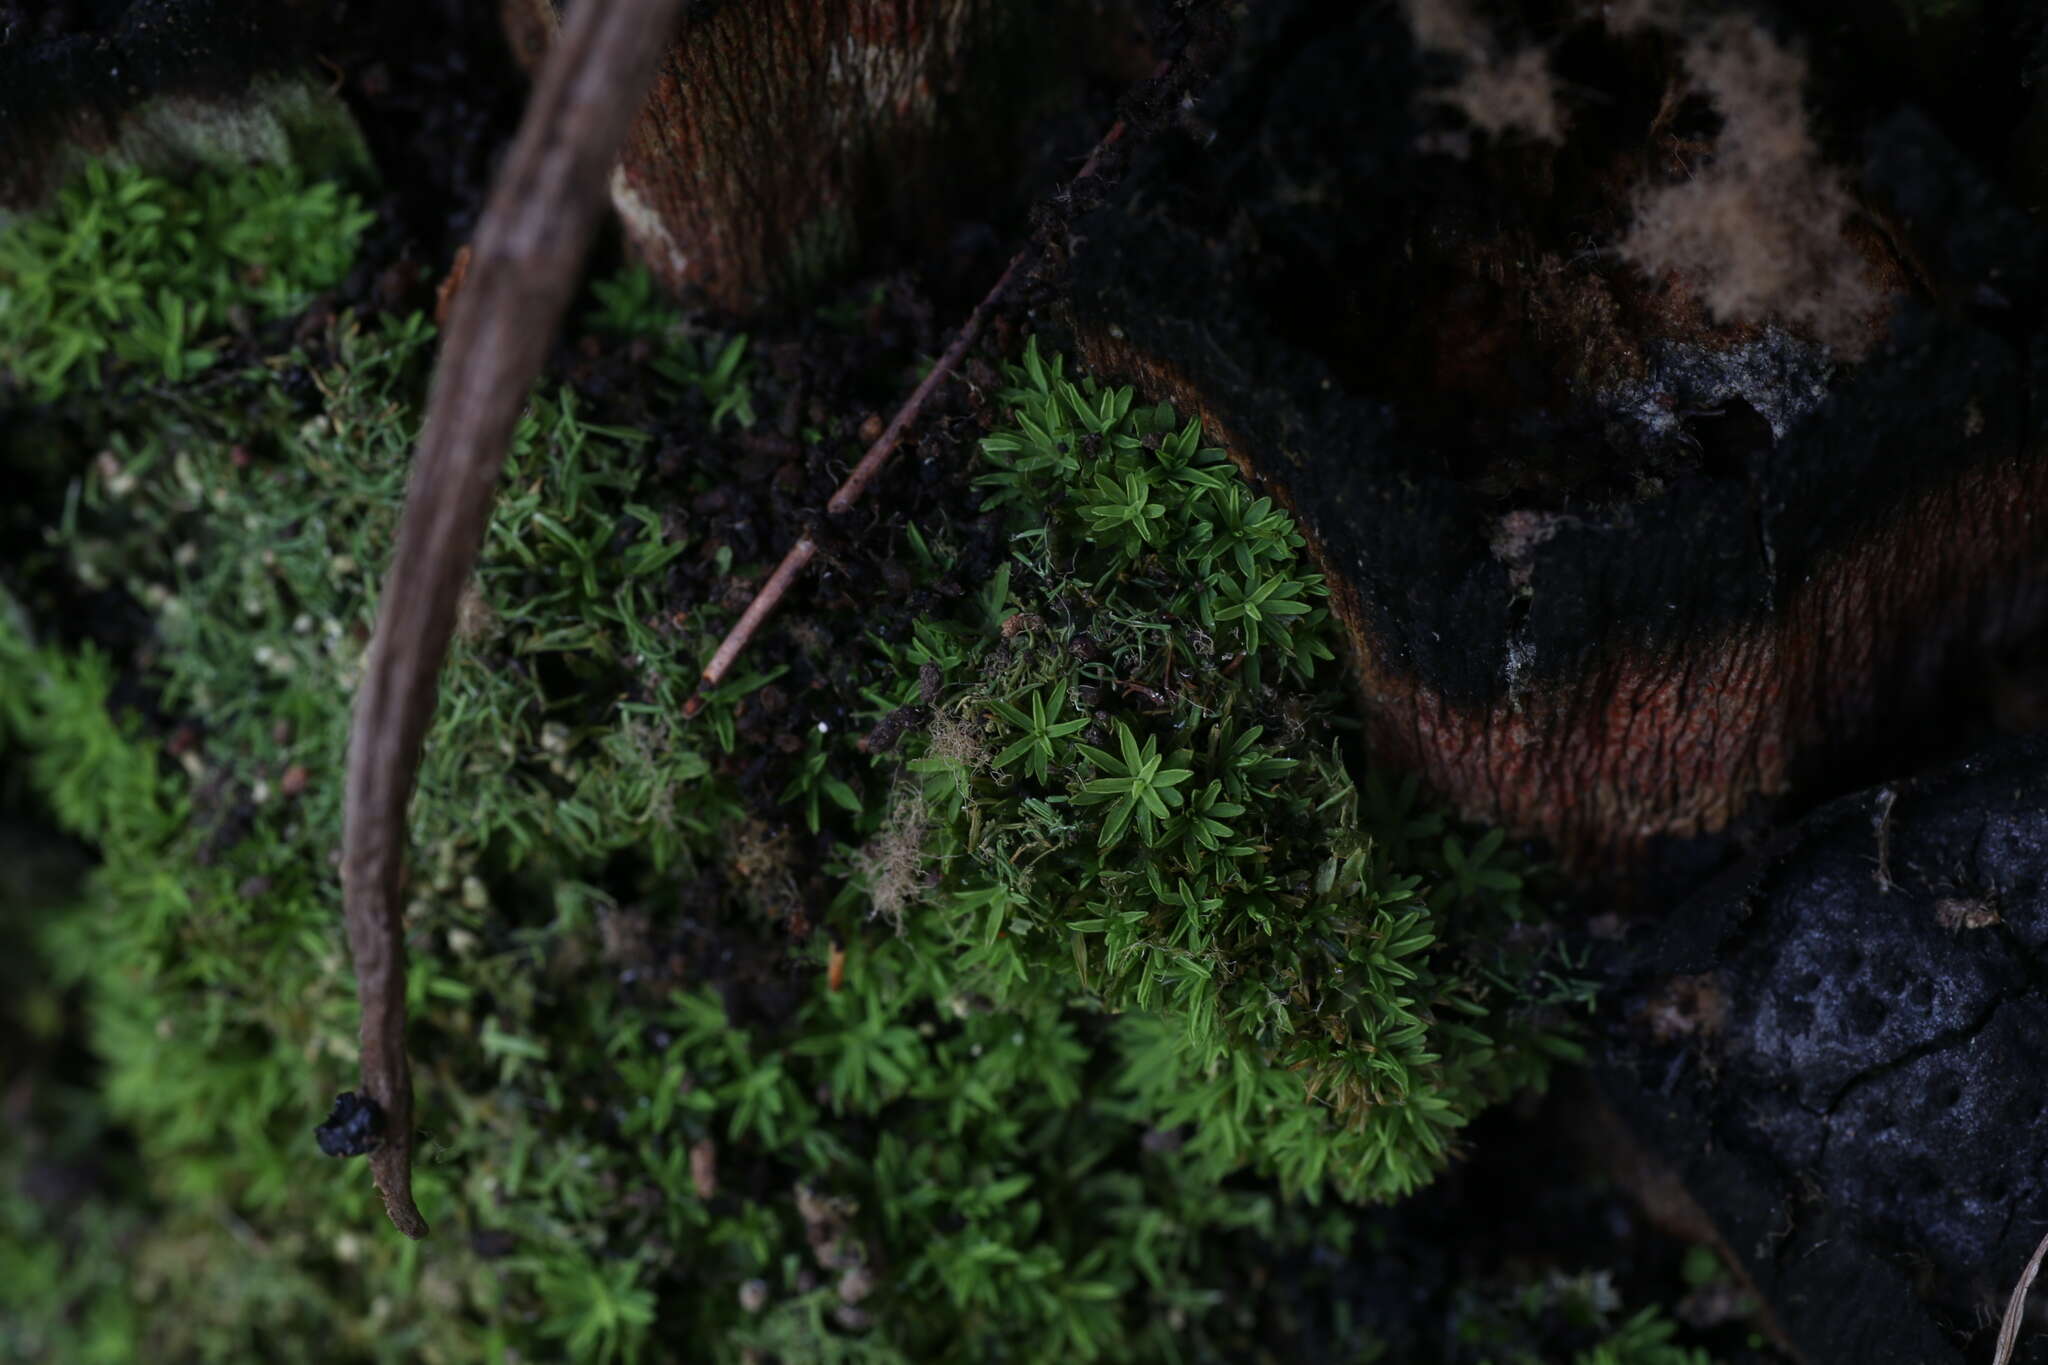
(823,728)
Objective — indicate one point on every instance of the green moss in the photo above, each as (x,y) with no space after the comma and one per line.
(915,1176)
(818,248)
(1514,1325)
(717,369)
(134,273)
(1001,1137)
(1136,799)
(1924,14)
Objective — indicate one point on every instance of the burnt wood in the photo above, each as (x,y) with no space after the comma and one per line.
(1610,573)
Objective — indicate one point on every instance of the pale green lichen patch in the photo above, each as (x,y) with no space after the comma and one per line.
(277,120)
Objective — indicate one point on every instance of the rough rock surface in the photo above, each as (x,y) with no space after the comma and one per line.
(1840,1045)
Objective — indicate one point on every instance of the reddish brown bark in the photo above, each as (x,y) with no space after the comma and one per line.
(1678,740)
(783,138)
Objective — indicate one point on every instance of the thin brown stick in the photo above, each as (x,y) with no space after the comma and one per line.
(849,492)
(764,602)
(529,247)
(856,484)
(2016,1307)
(885,445)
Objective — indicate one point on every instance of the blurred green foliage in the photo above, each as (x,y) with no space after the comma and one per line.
(130,273)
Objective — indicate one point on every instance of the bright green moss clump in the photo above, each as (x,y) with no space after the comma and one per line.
(887,1174)
(133,272)
(1143,930)
(1131,785)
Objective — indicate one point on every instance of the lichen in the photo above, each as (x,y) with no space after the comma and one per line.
(1781,377)
(1758,231)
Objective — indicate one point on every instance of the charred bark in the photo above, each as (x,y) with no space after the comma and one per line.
(1615,571)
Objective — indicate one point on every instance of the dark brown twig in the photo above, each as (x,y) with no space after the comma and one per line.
(856,484)
(529,247)
(885,445)
(849,492)
(757,610)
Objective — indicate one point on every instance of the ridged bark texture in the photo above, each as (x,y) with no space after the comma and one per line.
(785,137)
(1641,740)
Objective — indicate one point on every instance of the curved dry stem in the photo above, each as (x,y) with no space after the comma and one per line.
(529,247)
(2016,1307)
